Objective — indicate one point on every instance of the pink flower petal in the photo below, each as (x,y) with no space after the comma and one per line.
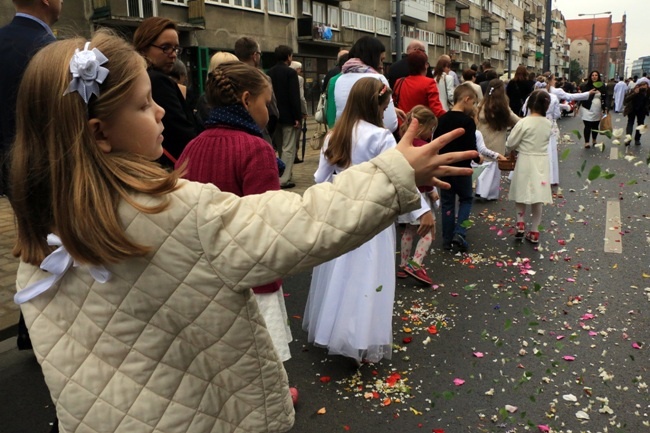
(592,333)
(543,428)
(480,354)
(560,337)
(587,316)
(458,382)
(569,358)
(636,345)
(454,294)
(500,233)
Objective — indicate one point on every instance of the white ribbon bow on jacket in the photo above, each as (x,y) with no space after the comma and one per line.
(57,263)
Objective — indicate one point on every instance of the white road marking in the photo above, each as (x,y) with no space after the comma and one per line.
(613,241)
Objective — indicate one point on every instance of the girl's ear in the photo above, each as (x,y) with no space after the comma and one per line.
(245,99)
(97,130)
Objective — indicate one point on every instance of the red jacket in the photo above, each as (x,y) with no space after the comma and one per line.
(417,90)
(235,161)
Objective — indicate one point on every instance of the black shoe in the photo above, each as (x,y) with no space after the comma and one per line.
(297,161)
(637,142)
(446,246)
(288,185)
(460,242)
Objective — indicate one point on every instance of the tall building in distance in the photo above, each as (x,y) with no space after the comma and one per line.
(598,44)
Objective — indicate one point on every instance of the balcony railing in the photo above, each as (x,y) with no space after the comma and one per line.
(452,26)
(310,30)
(413,10)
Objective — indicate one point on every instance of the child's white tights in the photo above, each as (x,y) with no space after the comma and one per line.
(407,243)
(536,209)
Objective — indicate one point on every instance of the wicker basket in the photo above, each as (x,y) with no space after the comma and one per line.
(508,164)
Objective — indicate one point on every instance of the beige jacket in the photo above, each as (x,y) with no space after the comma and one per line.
(174,341)
(495,140)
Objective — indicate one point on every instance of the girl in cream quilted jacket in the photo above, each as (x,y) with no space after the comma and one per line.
(135,285)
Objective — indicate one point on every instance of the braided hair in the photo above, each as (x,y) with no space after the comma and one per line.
(228,82)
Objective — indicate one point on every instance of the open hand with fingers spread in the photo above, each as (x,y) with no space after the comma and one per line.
(428,163)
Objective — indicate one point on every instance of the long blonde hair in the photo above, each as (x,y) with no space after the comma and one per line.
(365,97)
(61,182)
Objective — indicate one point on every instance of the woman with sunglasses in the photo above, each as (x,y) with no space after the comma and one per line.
(157,40)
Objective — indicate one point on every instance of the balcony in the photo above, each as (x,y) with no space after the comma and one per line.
(540,40)
(529,17)
(315,33)
(412,11)
(452,27)
(130,13)
(529,31)
(457,4)
(489,39)
(488,15)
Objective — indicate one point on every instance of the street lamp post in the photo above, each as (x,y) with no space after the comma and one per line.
(593,32)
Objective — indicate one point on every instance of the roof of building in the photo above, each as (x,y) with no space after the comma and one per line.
(582,28)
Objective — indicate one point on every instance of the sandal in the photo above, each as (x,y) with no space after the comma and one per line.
(400,273)
(521,229)
(532,237)
(587,146)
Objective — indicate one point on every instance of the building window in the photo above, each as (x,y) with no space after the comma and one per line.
(175,2)
(306,7)
(383,27)
(318,12)
(333,18)
(240,4)
(141,8)
(278,6)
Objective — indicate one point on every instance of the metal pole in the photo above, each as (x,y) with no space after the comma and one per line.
(509,52)
(546,64)
(591,46)
(398,30)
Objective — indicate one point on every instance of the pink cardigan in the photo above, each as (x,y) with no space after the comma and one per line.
(235,161)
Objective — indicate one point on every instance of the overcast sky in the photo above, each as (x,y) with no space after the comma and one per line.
(638,45)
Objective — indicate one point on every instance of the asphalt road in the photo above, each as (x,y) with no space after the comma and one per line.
(526,338)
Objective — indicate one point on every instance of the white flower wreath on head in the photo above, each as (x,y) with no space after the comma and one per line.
(87,74)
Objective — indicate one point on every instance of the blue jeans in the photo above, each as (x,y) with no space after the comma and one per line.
(461,186)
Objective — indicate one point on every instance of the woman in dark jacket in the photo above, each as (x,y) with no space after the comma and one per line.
(518,89)
(637,107)
(593,109)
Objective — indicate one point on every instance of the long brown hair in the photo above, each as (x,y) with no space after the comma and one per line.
(496,106)
(366,95)
(61,181)
(440,67)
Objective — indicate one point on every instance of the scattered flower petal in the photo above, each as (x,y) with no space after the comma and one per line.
(458,381)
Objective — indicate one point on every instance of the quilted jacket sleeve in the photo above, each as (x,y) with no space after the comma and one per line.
(255,239)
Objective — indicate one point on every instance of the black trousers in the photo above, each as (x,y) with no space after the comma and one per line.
(640,118)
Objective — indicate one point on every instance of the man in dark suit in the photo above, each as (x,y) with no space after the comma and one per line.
(287,92)
(400,68)
(19,41)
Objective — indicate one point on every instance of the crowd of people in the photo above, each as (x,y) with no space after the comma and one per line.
(153,233)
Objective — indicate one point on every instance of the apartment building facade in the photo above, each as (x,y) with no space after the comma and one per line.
(505,32)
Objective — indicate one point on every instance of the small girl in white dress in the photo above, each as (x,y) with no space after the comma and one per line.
(350,305)
(531,178)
